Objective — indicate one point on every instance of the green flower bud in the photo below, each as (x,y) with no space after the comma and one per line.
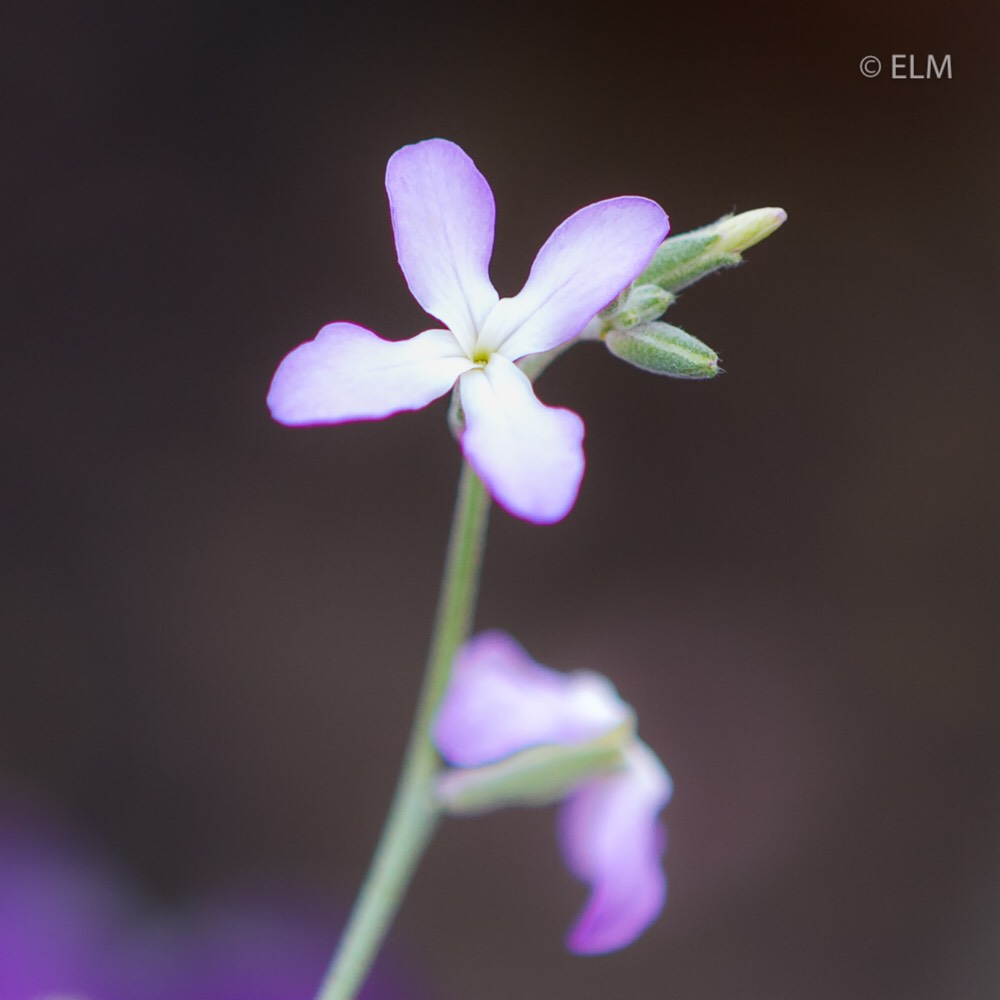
(537,776)
(681,260)
(664,350)
(642,304)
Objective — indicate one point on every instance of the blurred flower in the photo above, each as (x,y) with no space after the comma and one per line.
(529,455)
(72,928)
(502,705)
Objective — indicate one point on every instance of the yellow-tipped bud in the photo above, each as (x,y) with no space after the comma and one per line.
(740,232)
(682,260)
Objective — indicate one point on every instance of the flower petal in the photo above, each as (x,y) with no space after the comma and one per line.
(349,373)
(612,839)
(500,701)
(583,265)
(529,455)
(442,217)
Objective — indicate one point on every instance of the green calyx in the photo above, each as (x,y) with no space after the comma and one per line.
(537,776)
(681,260)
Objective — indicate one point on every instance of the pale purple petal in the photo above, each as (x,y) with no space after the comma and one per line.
(350,373)
(442,217)
(612,839)
(528,454)
(583,265)
(500,701)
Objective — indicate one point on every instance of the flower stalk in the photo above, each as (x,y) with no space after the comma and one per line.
(414,812)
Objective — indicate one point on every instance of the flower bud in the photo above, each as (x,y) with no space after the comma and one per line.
(664,350)
(740,232)
(642,304)
(682,260)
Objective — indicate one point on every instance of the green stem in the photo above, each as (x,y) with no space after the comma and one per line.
(414,813)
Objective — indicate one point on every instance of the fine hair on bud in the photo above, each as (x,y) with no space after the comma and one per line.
(664,350)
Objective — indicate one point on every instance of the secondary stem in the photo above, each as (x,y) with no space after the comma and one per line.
(414,813)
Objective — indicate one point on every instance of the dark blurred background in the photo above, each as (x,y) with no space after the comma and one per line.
(214,626)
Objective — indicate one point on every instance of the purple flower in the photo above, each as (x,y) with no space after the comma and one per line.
(529,455)
(500,702)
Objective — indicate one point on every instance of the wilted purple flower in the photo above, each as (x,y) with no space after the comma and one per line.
(501,702)
(529,455)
